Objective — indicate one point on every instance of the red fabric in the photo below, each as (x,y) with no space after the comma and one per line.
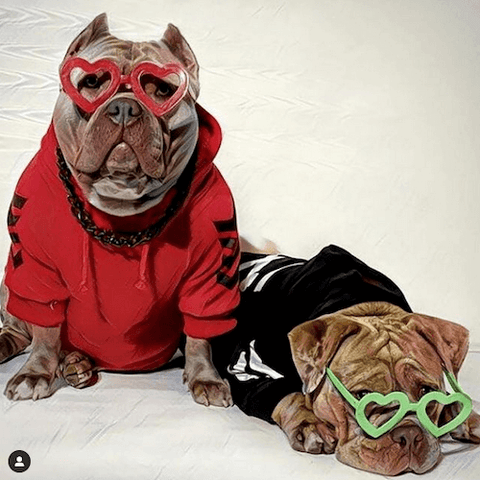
(125,307)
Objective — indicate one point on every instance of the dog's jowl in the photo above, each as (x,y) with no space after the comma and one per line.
(116,250)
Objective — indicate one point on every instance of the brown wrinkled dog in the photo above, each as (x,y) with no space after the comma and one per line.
(124,158)
(373,347)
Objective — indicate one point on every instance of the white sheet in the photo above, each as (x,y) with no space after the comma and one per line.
(344,122)
(147,427)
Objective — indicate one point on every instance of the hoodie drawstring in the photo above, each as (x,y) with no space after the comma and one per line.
(85,263)
(142,271)
(141,283)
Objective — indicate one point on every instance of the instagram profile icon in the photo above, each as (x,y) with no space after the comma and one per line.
(19,461)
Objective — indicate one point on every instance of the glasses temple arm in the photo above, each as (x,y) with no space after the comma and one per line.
(341,388)
(454,383)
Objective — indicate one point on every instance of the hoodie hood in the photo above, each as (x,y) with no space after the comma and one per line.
(189,182)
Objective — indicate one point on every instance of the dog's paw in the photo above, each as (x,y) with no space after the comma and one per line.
(211,392)
(29,386)
(304,430)
(77,370)
(312,437)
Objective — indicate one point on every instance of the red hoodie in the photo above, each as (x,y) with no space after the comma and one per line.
(125,307)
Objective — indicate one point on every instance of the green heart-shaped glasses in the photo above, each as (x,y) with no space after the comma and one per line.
(406,406)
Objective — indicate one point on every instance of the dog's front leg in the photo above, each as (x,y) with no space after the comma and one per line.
(35,379)
(202,378)
(305,432)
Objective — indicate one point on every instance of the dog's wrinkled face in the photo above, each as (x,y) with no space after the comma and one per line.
(377,347)
(123,156)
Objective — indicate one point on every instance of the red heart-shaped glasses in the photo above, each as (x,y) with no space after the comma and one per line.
(158,104)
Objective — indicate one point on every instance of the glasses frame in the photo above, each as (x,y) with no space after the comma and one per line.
(117,80)
(405,406)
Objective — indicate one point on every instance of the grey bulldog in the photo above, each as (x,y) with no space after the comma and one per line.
(123,232)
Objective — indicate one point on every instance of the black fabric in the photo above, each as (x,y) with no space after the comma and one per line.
(297,291)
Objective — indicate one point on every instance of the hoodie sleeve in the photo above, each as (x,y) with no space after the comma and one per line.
(36,292)
(210,292)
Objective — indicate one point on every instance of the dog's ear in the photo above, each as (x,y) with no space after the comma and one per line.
(449,339)
(98,28)
(177,44)
(468,431)
(314,343)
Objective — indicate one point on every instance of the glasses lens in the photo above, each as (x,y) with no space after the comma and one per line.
(432,410)
(159,90)
(159,87)
(448,412)
(91,86)
(379,415)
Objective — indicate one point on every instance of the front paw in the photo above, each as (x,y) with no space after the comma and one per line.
(311,436)
(77,370)
(304,430)
(211,391)
(26,386)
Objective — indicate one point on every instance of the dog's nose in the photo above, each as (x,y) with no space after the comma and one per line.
(124,111)
(408,436)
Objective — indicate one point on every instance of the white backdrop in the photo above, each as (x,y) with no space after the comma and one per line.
(347,122)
